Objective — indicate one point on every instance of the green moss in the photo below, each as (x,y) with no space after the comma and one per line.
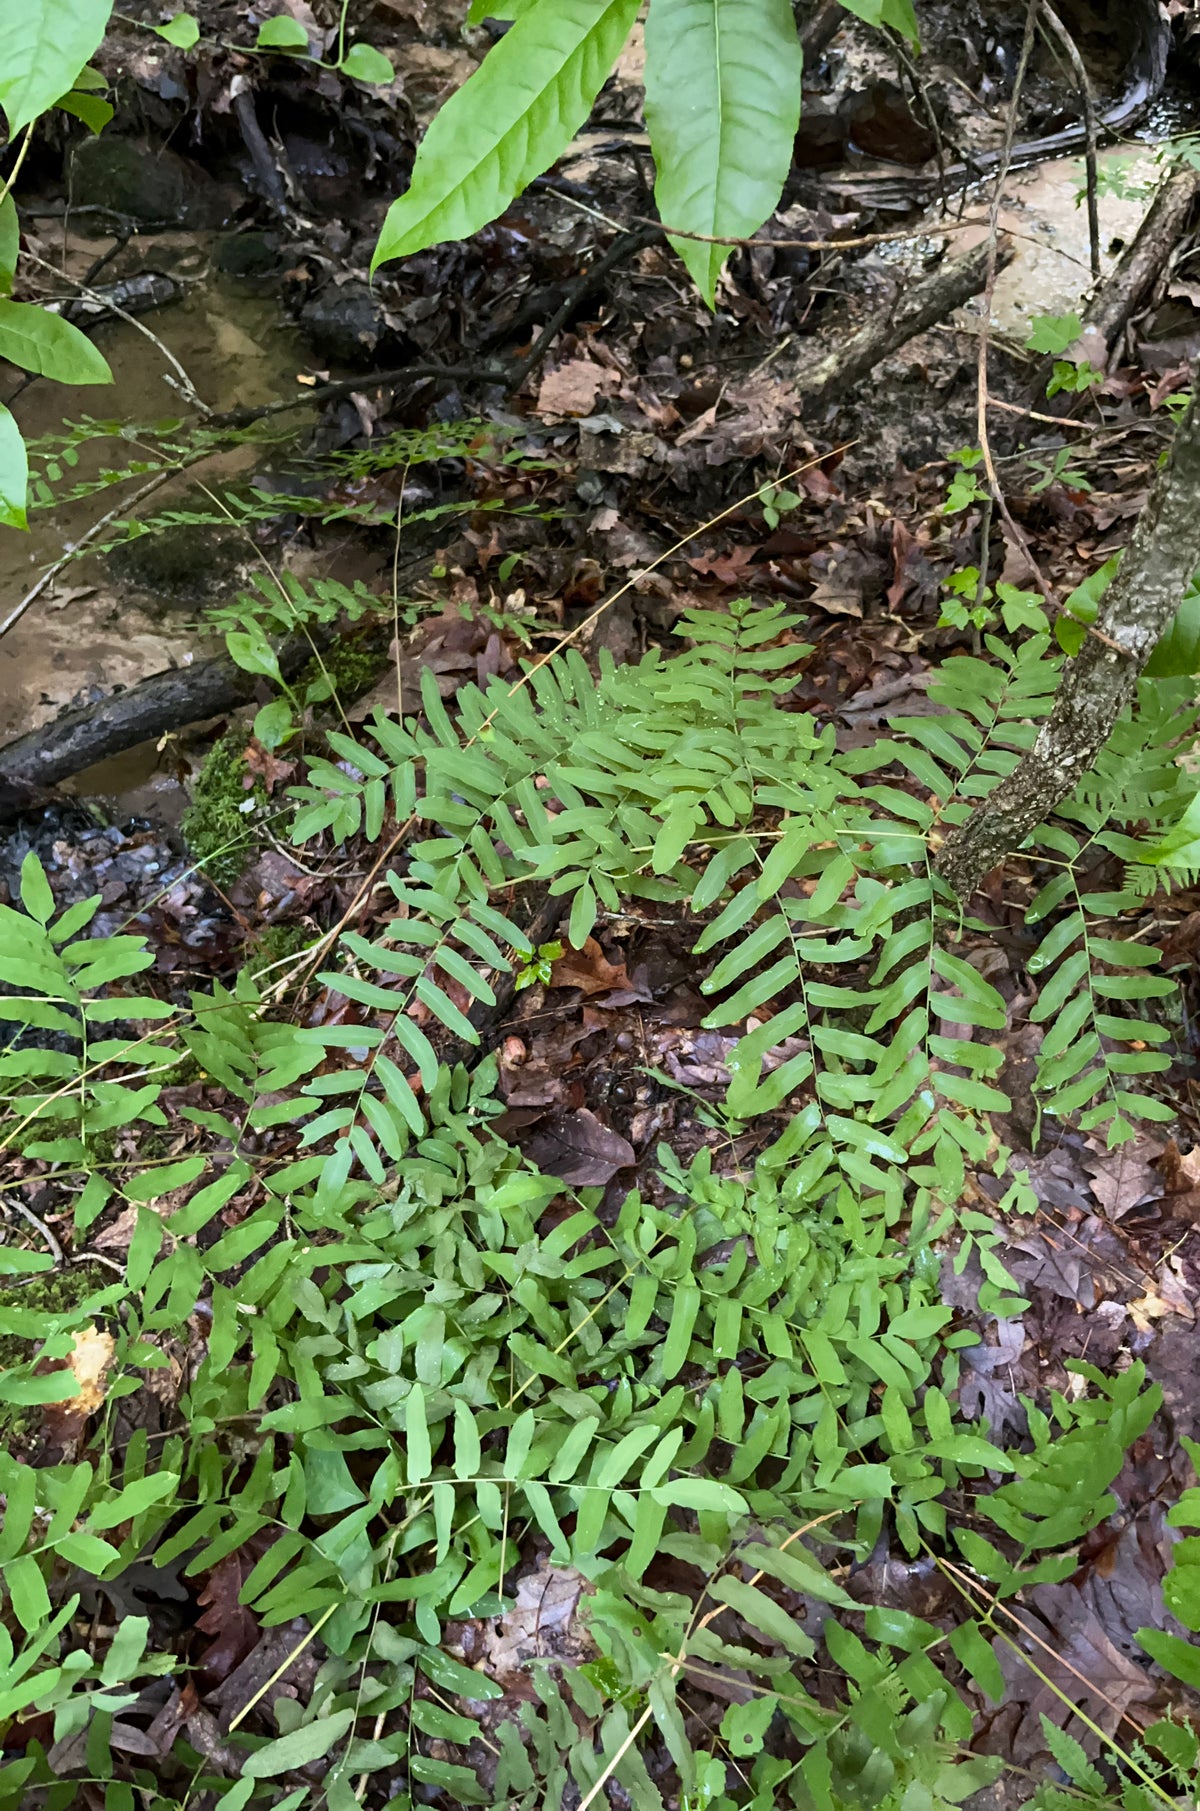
(275,942)
(217,827)
(179,1073)
(352,665)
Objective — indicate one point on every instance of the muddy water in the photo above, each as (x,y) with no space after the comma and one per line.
(1050,273)
(83,634)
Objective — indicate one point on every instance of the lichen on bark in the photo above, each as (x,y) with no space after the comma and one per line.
(1098,683)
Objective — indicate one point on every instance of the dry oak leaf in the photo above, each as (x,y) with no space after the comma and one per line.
(589,969)
(90,1361)
(571,389)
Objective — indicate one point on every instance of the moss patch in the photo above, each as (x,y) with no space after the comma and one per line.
(54,1293)
(218,826)
(352,664)
(275,943)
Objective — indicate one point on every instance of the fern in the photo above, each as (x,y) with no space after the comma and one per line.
(442,1373)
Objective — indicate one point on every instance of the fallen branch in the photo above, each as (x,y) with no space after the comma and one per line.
(1099,682)
(92,732)
(920,307)
(1145,259)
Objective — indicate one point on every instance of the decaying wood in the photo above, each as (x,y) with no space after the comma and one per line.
(1099,682)
(918,307)
(1144,259)
(93,732)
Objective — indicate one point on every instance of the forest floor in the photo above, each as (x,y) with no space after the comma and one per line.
(651,458)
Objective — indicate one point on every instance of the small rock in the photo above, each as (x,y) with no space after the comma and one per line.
(144,181)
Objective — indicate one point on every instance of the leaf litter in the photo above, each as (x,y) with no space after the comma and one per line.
(607,1059)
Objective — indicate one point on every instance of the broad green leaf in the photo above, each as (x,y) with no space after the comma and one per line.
(762,1613)
(27,1592)
(36,896)
(1182,1658)
(87,1551)
(182,31)
(43,46)
(14,472)
(978,1656)
(299,1748)
(1053,333)
(898,14)
(92,109)
(723,107)
(699,1493)
(416,1428)
(250,650)
(274,723)
(47,345)
(363,63)
(125,1650)
(507,123)
(133,1500)
(1177,655)
(281,33)
(152,1184)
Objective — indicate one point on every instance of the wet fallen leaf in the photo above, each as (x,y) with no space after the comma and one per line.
(1122,1178)
(577,1149)
(269,768)
(234,1628)
(544,1622)
(589,969)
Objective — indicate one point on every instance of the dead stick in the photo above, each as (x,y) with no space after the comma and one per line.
(1071,51)
(166,701)
(918,309)
(1143,262)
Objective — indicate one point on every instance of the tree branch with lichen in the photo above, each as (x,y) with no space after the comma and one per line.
(1099,682)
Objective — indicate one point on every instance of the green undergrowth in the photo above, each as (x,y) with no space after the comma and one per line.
(428,1370)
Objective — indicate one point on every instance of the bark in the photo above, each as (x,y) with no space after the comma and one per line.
(1144,261)
(1099,682)
(821,29)
(918,308)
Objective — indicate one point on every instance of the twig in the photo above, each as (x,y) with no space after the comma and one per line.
(323,393)
(91,534)
(1071,51)
(993,249)
(621,248)
(918,307)
(6,187)
(909,68)
(254,139)
(186,386)
(812,244)
(27,1213)
(985,536)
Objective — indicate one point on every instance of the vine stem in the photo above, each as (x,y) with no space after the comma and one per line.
(7,187)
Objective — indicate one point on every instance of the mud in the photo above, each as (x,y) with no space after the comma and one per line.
(91,630)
